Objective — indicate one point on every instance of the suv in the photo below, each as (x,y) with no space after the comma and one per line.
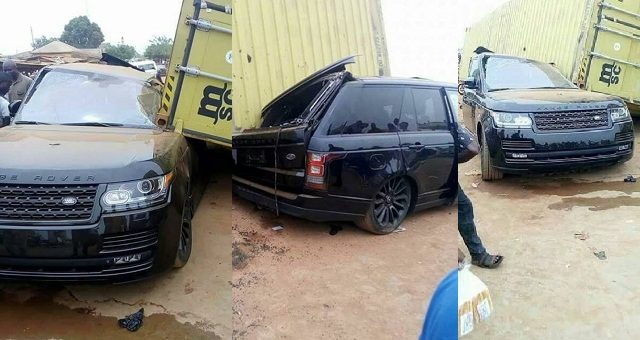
(528,117)
(148,66)
(90,188)
(337,148)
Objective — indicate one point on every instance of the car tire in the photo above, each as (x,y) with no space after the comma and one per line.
(489,173)
(389,207)
(185,241)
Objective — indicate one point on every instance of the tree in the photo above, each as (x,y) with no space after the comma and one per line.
(159,48)
(80,32)
(39,42)
(122,51)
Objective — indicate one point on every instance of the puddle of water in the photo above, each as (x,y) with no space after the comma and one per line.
(595,203)
(39,317)
(520,189)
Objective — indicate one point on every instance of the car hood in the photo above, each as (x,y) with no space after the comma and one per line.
(541,100)
(106,154)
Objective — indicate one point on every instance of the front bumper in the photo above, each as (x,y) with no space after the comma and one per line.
(526,150)
(117,248)
(327,208)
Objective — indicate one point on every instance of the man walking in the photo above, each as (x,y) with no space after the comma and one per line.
(469,148)
(20,84)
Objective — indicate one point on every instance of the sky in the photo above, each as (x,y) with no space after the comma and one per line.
(423,36)
(135,21)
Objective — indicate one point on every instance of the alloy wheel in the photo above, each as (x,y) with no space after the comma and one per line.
(392,202)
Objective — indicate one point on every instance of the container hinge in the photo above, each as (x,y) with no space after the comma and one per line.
(206,26)
(210,5)
(602,56)
(624,34)
(195,72)
(622,10)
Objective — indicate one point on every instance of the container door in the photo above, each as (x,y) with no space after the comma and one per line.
(197,94)
(614,66)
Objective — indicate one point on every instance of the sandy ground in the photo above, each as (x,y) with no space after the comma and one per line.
(303,282)
(191,303)
(551,285)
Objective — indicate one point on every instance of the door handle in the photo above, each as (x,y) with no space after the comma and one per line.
(416,146)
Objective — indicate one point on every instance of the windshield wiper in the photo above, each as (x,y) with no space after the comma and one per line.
(500,89)
(94,124)
(30,122)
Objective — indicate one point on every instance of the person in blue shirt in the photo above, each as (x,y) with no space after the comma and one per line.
(441,322)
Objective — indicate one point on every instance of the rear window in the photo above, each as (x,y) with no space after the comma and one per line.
(423,110)
(366,110)
(292,106)
(430,111)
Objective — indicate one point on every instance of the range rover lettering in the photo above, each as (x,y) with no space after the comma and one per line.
(529,118)
(90,188)
(338,148)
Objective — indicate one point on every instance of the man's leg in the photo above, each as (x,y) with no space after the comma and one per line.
(467,228)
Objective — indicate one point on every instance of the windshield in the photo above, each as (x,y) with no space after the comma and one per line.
(511,73)
(453,100)
(73,97)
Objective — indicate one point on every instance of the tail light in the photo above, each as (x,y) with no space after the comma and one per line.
(317,169)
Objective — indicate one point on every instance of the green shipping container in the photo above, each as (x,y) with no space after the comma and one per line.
(594,43)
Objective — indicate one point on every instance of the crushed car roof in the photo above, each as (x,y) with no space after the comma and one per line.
(404,81)
(111,70)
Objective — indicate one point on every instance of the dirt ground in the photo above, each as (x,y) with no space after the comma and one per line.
(303,282)
(551,284)
(191,303)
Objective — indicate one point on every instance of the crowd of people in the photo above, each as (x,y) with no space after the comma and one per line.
(13,87)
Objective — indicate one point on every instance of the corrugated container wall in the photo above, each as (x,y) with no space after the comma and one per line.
(277,43)
(594,43)
(545,30)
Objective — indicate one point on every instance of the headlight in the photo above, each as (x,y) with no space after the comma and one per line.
(138,194)
(619,114)
(511,120)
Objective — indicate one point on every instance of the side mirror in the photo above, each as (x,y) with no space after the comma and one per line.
(14,107)
(470,83)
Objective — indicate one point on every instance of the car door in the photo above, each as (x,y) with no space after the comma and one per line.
(470,96)
(427,143)
(360,133)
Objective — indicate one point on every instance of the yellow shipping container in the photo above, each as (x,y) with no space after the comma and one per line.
(277,43)
(196,100)
(594,43)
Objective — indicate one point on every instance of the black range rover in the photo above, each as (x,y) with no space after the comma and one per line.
(339,148)
(90,188)
(529,118)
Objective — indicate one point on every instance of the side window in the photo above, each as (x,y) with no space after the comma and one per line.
(474,68)
(367,109)
(408,115)
(430,110)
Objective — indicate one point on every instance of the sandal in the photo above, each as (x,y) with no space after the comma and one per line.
(488,261)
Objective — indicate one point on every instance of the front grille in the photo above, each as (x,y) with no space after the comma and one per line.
(70,270)
(128,242)
(624,136)
(21,202)
(571,120)
(513,144)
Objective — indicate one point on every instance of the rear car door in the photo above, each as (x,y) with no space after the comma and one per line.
(360,132)
(427,143)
